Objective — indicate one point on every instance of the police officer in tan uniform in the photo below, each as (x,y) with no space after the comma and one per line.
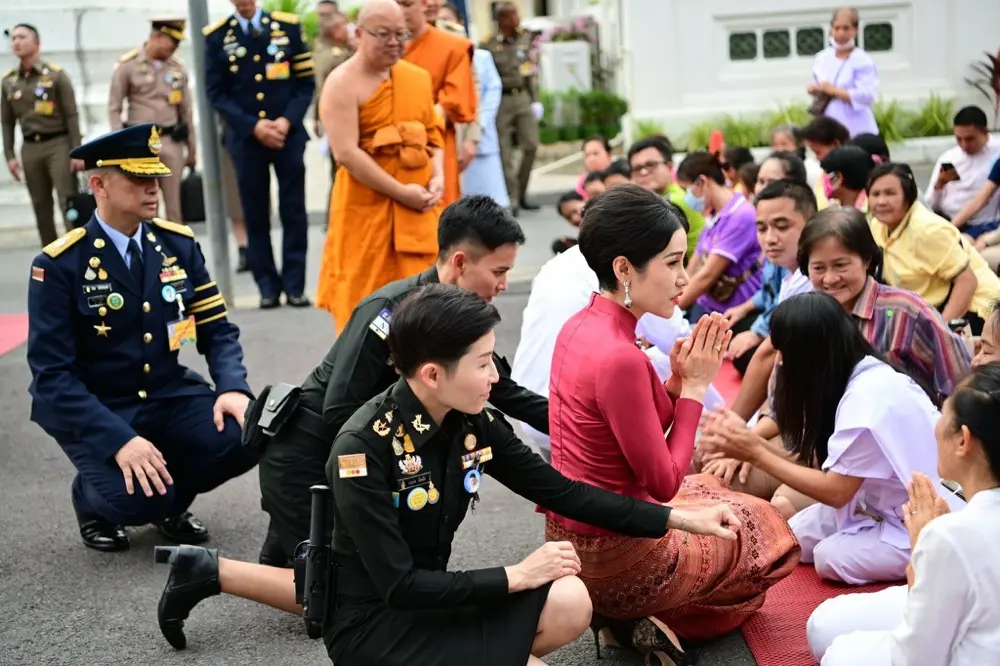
(155,84)
(331,51)
(39,96)
(520,109)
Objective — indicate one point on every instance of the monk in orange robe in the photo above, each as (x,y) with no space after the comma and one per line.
(378,113)
(448,58)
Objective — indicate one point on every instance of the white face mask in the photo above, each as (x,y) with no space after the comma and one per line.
(841,47)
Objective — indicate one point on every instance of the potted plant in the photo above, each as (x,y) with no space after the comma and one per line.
(987,82)
(590,112)
(569,115)
(548,133)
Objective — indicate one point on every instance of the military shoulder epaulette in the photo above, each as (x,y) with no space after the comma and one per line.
(167,225)
(63,243)
(10,72)
(53,67)
(285,17)
(209,29)
(125,57)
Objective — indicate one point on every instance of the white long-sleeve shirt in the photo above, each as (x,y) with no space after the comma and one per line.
(973,170)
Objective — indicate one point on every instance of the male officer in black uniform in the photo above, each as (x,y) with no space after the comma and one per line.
(110,304)
(259,77)
(404,470)
(478,243)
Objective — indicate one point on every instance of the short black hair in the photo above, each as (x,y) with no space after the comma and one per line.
(826,131)
(599,138)
(566,197)
(874,144)
(27,26)
(799,193)
(905,175)
(626,221)
(737,156)
(661,144)
(594,175)
(971,116)
(853,163)
(791,164)
(437,323)
(618,168)
(701,163)
(478,220)
(850,227)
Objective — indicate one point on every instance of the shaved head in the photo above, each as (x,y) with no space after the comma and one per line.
(373,9)
(381,33)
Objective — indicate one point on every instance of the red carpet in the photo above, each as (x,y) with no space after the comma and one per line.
(776,634)
(727,382)
(13,331)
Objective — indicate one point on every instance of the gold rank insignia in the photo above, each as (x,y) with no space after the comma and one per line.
(154,142)
(419,425)
(381,429)
(388,416)
(470,442)
(102,329)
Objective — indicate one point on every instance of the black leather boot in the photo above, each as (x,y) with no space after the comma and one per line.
(194,575)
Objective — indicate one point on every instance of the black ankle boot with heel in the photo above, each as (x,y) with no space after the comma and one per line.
(617,633)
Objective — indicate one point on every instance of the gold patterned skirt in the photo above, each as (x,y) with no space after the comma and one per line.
(702,587)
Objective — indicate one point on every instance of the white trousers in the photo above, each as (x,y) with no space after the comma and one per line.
(854,629)
(855,559)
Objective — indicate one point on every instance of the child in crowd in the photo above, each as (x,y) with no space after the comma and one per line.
(618,173)
(593,184)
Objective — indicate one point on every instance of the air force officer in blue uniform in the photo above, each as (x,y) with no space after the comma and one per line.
(259,77)
(110,305)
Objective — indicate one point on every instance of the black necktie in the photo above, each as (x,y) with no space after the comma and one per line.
(135,261)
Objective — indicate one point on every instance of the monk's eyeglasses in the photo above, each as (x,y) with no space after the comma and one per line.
(384,35)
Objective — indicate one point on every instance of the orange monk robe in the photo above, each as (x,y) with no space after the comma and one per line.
(448,58)
(372,239)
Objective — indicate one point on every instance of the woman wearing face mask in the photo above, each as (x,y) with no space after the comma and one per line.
(925,253)
(948,613)
(608,414)
(845,80)
(726,266)
(847,169)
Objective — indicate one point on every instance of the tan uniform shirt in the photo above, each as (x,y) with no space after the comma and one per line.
(157,92)
(513,61)
(43,102)
(326,58)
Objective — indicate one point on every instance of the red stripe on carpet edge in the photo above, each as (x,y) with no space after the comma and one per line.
(776,634)
(13,331)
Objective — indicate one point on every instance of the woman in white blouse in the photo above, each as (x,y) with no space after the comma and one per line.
(948,614)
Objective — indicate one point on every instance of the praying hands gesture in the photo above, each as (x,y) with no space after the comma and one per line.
(695,360)
(726,436)
(923,507)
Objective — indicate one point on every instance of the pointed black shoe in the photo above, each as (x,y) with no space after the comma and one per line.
(529,205)
(194,575)
(299,301)
(184,528)
(102,535)
(269,302)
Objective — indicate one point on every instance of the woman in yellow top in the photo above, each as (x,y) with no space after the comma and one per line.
(925,253)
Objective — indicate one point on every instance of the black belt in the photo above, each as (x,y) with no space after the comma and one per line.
(40,137)
(310,423)
(512,91)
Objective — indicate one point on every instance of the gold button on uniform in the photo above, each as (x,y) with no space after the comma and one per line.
(260,96)
(262,114)
(259,77)
(103,311)
(147,338)
(146,307)
(256,58)
(232,58)
(142,394)
(145,369)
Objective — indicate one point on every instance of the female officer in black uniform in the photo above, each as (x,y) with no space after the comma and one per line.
(404,470)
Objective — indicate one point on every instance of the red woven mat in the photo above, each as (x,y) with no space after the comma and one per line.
(13,331)
(776,634)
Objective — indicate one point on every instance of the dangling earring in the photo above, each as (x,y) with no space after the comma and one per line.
(628,298)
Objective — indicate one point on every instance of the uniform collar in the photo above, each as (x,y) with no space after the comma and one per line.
(117,238)
(430,276)
(39,67)
(409,417)
(254,20)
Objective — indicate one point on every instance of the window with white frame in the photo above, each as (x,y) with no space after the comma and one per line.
(801,42)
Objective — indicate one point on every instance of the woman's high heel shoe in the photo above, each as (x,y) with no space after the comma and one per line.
(657,647)
(616,633)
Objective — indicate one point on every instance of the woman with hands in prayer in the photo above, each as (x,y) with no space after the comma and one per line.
(853,431)
(608,412)
(948,613)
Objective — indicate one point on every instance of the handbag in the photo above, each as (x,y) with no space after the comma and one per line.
(79,207)
(192,197)
(821,100)
(724,288)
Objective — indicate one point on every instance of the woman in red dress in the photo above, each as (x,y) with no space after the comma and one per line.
(608,413)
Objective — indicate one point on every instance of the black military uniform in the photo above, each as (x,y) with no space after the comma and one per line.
(356,368)
(402,486)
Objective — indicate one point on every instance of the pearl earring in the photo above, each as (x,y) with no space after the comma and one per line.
(628,298)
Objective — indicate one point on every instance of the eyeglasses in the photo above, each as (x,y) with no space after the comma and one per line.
(647,166)
(385,35)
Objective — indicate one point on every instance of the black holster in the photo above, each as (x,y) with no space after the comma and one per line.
(268,414)
(315,573)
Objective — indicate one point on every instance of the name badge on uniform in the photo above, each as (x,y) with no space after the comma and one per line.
(352,465)
(176,97)
(97,294)
(380,324)
(184,331)
(277,71)
(527,69)
(45,107)
(414,481)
